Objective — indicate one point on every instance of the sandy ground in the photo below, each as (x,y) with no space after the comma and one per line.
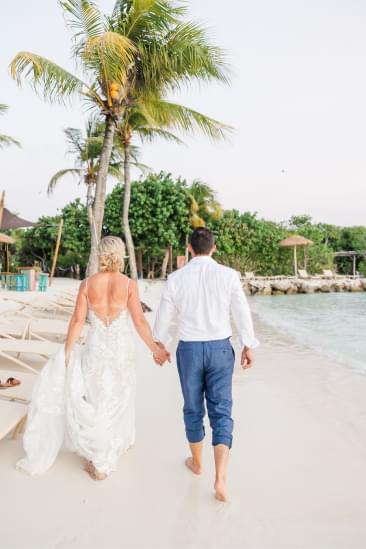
(297,474)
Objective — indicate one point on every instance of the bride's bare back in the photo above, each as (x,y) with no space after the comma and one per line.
(107,295)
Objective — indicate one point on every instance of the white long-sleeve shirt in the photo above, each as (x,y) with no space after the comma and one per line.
(201,297)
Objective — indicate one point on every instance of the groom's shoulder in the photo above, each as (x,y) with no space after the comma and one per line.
(178,273)
(178,276)
(227,271)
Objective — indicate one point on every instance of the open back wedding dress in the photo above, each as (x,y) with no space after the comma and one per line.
(88,407)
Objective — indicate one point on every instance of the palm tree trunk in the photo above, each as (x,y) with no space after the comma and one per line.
(170,259)
(100,192)
(186,250)
(140,268)
(92,228)
(164,265)
(126,207)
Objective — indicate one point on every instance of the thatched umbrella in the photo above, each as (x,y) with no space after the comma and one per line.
(8,221)
(294,242)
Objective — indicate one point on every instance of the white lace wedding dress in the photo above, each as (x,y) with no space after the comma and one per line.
(88,407)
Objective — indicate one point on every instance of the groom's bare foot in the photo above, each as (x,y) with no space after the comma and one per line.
(196,469)
(221,491)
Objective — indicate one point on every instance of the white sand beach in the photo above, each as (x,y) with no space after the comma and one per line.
(297,472)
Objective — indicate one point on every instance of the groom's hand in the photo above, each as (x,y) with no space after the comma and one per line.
(161,355)
(247,358)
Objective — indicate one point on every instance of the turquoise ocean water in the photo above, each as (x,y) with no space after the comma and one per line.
(333,324)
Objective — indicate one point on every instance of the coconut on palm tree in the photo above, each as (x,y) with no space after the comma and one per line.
(6,140)
(144,46)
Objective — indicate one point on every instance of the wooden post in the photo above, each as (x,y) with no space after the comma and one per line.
(170,259)
(295,261)
(6,258)
(140,269)
(354,265)
(57,248)
(2,203)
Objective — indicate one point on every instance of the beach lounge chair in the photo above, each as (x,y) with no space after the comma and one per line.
(44,303)
(35,328)
(19,346)
(327,273)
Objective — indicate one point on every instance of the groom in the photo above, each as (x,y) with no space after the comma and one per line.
(201,297)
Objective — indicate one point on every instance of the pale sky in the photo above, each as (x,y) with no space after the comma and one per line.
(297,100)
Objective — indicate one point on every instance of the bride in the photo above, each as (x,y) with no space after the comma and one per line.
(84,398)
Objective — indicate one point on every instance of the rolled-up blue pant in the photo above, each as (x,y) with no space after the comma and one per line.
(206,370)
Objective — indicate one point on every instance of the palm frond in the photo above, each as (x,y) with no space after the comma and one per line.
(153,14)
(193,54)
(75,140)
(59,175)
(138,18)
(149,133)
(185,119)
(54,82)
(7,141)
(84,17)
(183,55)
(110,55)
(3,108)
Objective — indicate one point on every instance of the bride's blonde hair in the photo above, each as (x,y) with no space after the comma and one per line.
(111,252)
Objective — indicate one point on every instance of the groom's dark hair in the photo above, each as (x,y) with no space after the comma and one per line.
(202,240)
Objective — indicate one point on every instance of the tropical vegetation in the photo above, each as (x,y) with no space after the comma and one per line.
(161,218)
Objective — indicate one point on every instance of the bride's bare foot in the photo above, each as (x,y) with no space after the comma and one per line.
(88,467)
(221,491)
(98,475)
(196,469)
(92,472)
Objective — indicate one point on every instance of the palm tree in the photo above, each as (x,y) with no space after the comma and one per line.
(145,45)
(104,58)
(172,52)
(151,117)
(6,140)
(203,205)
(87,148)
(136,120)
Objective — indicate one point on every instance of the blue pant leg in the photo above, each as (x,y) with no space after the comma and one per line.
(219,367)
(190,368)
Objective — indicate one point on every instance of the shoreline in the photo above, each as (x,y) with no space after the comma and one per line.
(292,285)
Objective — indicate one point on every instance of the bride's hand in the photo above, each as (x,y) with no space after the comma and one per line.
(161,355)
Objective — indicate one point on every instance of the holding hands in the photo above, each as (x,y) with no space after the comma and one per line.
(160,354)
